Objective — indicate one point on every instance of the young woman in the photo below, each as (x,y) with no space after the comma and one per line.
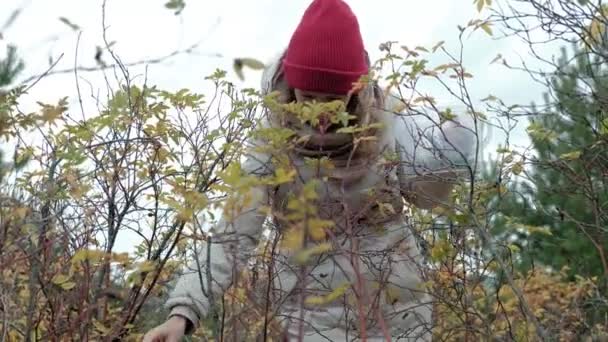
(373,251)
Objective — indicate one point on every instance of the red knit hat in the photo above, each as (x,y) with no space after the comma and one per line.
(326,52)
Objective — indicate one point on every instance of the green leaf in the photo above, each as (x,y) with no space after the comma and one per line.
(536,229)
(438,45)
(446,115)
(498,57)
(344,117)
(176,5)
(69,23)
(252,63)
(240,63)
(604,127)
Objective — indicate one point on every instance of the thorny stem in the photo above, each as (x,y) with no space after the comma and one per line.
(269,286)
(302,281)
(354,258)
(540,331)
(38,260)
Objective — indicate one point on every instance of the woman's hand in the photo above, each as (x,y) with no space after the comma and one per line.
(171,331)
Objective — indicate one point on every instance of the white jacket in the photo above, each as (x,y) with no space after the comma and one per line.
(387,256)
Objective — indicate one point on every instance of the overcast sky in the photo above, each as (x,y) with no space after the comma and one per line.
(145,29)
(233,28)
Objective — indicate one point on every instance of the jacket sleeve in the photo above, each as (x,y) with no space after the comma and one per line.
(233,242)
(432,155)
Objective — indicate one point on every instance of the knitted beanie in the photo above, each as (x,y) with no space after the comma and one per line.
(326,52)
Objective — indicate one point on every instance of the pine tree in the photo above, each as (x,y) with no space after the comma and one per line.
(562,205)
(10,68)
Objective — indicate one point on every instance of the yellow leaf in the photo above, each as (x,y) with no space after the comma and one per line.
(161,154)
(303,256)
(517,168)
(386,207)
(326,163)
(122,258)
(232,174)
(283,176)
(240,295)
(60,279)
(513,248)
(322,300)
(146,266)
(399,106)
(309,192)
(316,228)
(101,327)
(392,294)
(571,155)
(88,254)
(184,214)
(441,250)
(195,199)
(63,281)
(51,113)
(426,285)
(293,239)
(68,285)
(21,212)
(79,190)
(486,27)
